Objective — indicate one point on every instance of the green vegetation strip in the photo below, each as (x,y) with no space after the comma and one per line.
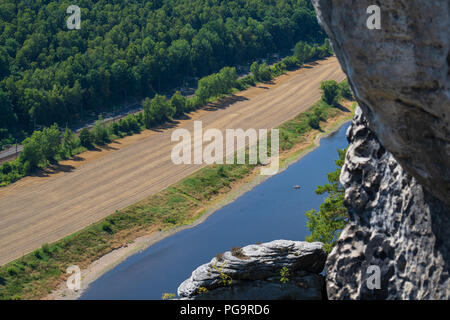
(37,273)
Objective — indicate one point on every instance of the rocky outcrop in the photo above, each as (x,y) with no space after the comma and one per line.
(395,224)
(254,273)
(401,78)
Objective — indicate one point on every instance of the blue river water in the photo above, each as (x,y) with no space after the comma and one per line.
(272,210)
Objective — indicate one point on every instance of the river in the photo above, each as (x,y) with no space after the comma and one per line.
(272,210)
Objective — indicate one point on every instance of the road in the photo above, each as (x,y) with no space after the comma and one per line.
(10,153)
(47,209)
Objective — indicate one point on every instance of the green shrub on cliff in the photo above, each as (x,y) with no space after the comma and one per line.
(326,224)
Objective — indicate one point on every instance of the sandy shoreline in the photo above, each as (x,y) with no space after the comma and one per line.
(117,256)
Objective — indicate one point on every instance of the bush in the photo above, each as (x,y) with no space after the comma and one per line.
(115,128)
(38,254)
(179,103)
(302,52)
(100,133)
(222,171)
(45,248)
(216,84)
(319,114)
(254,69)
(27,167)
(68,144)
(86,138)
(278,69)
(32,155)
(50,141)
(106,226)
(12,271)
(157,110)
(313,121)
(261,72)
(41,147)
(227,78)
(123,126)
(330,92)
(132,124)
(5,168)
(265,73)
(291,62)
(193,103)
(246,82)
(171,220)
(345,91)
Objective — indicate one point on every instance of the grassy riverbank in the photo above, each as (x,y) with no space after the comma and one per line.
(37,273)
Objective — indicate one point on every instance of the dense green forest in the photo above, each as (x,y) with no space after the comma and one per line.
(127,50)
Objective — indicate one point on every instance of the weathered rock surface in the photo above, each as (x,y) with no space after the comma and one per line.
(255,273)
(395,224)
(397,171)
(401,78)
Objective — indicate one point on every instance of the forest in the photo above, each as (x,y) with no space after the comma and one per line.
(127,50)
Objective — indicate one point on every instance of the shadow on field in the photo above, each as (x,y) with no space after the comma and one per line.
(53,169)
(184,116)
(77,158)
(224,103)
(165,126)
(342,108)
(109,148)
(270,82)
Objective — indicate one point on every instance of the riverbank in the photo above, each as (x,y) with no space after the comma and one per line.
(99,267)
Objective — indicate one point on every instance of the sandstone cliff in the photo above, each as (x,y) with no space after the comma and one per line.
(395,224)
(401,78)
(397,170)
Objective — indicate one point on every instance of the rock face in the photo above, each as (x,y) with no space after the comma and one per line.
(397,171)
(254,272)
(395,224)
(401,78)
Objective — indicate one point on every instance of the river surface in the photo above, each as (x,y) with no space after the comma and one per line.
(272,210)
